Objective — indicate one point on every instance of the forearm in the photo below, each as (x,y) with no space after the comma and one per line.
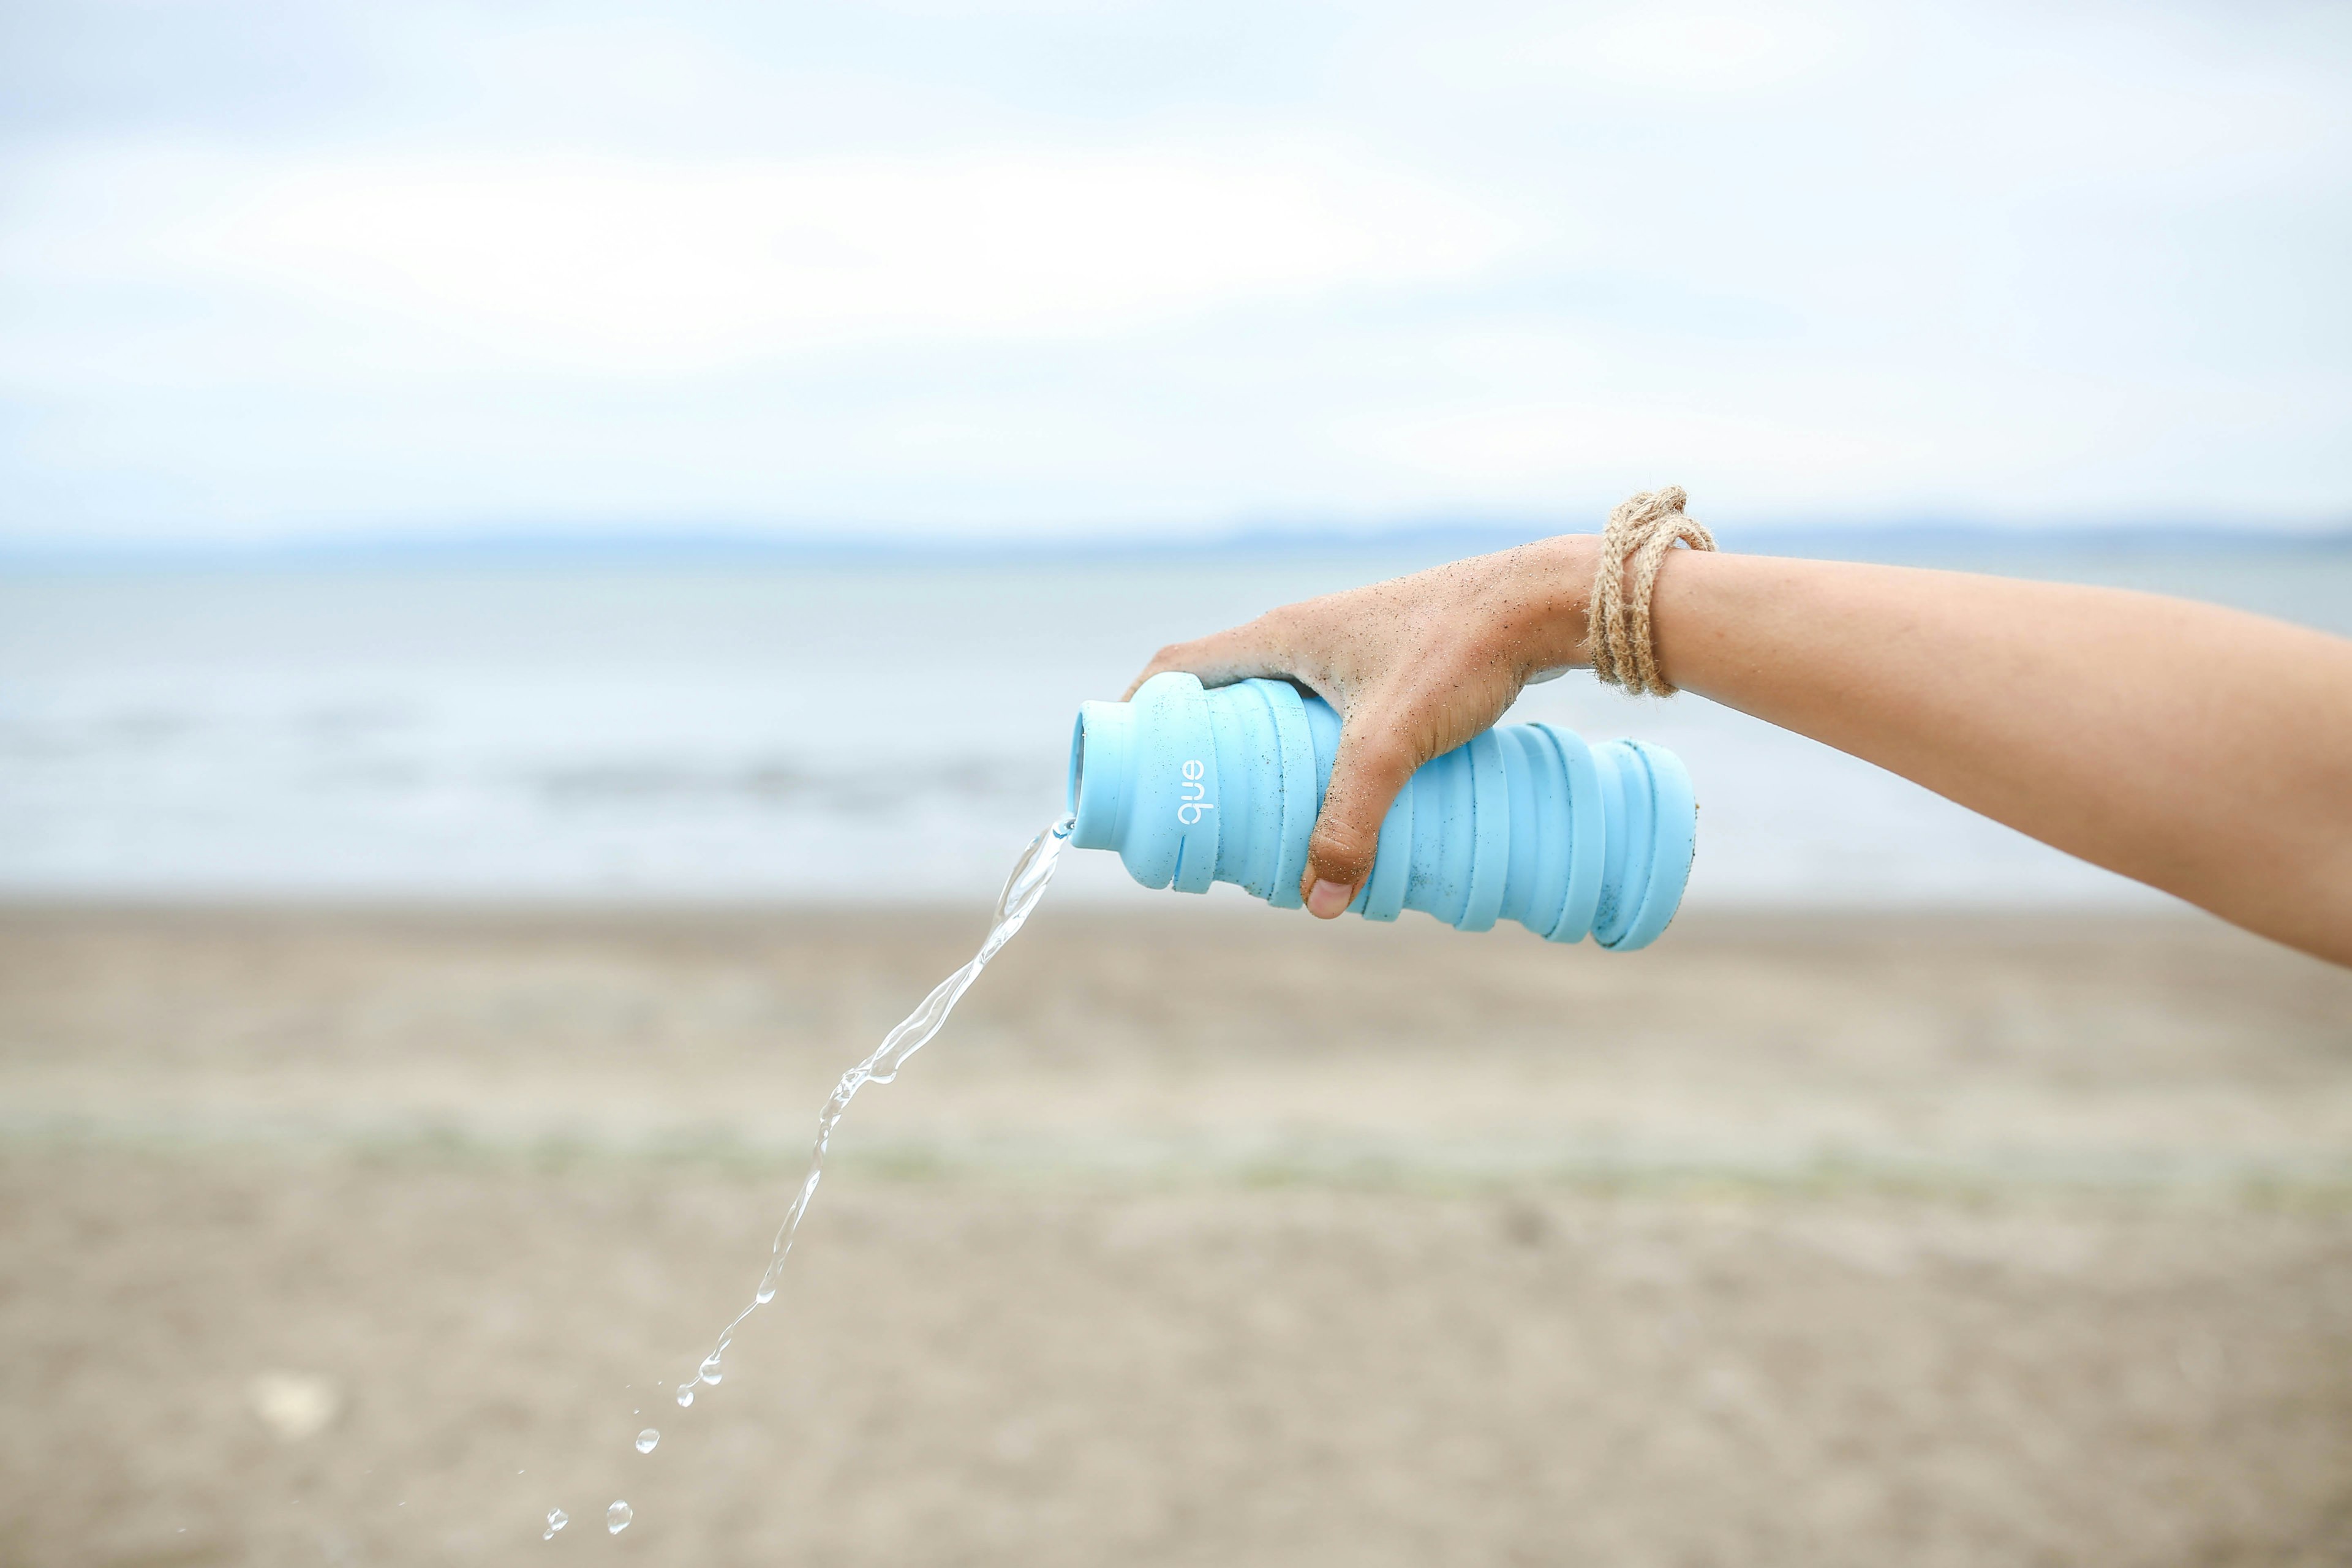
(2200,749)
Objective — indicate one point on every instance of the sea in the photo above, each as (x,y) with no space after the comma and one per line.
(781,726)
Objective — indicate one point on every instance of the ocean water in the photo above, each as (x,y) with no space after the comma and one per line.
(772,730)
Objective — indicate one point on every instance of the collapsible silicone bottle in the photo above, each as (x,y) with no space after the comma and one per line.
(1526,822)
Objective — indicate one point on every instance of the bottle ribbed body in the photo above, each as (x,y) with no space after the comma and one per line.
(1526,822)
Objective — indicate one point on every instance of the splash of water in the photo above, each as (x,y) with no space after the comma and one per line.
(1022,892)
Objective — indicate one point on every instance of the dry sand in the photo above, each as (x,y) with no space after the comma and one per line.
(1206,1237)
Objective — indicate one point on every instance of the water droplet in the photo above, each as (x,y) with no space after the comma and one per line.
(647,1439)
(711,1371)
(765,1294)
(556,1519)
(616,1517)
(686,1393)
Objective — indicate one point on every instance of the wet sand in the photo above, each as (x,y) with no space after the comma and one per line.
(1200,1235)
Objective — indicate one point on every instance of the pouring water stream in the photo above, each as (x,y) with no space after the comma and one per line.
(1022,889)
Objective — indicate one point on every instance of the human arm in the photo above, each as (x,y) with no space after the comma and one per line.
(2201,750)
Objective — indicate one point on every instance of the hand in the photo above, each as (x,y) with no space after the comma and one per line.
(1414,666)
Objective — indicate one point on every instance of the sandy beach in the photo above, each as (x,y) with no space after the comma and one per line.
(1200,1235)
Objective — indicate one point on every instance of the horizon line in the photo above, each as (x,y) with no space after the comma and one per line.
(787,545)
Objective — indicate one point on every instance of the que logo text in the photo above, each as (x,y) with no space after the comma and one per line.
(1195,793)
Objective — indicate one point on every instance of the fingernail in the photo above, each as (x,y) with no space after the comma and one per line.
(1329,898)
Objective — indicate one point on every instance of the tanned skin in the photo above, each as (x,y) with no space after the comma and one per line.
(2200,749)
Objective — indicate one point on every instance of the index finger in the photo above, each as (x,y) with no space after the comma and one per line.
(1237,653)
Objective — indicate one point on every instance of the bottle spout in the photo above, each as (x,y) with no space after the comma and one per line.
(1100,743)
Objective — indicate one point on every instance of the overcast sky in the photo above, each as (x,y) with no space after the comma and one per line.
(310,269)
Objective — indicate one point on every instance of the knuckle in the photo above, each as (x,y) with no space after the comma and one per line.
(1349,863)
(1385,754)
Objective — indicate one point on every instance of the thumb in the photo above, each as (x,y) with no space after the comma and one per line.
(1373,763)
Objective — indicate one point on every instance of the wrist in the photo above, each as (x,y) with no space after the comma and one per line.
(1558,587)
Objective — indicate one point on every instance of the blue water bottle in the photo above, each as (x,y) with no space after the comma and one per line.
(1526,822)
